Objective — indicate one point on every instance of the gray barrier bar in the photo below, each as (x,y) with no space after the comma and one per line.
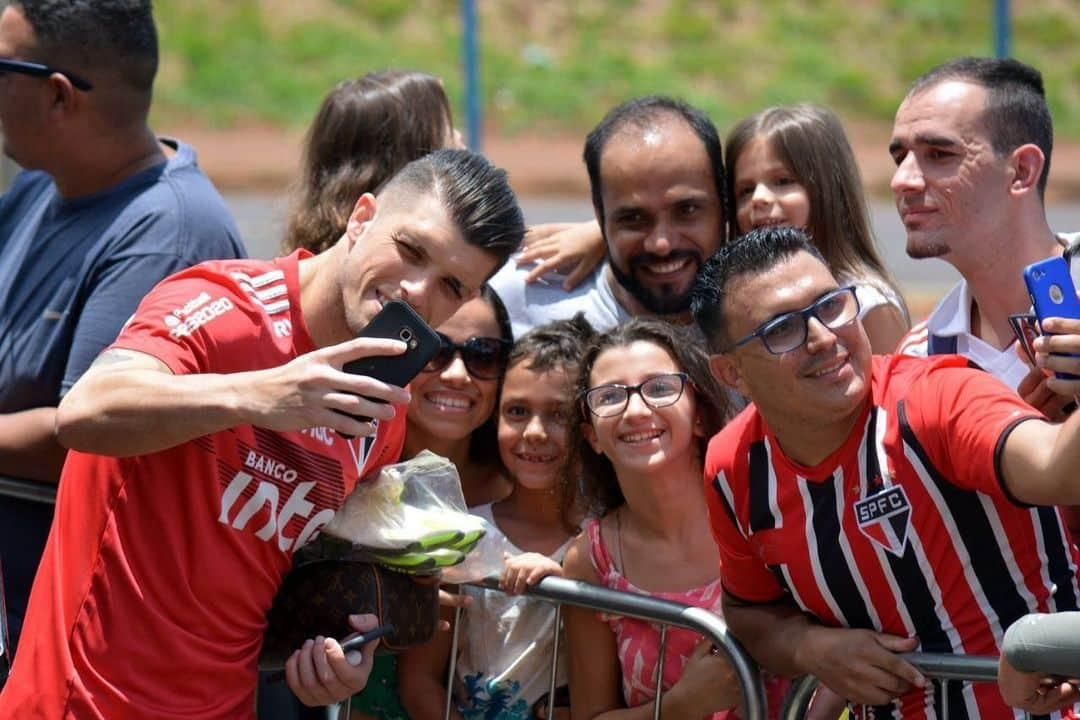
(23,489)
(935,666)
(666,612)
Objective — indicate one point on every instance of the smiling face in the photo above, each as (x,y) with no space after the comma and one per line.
(450,404)
(766,191)
(662,213)
(643,439)
(949,186)
(534,424)
(824,383)
(411,251)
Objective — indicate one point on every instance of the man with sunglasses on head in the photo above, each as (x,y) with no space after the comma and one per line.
(102,212)
(866,506)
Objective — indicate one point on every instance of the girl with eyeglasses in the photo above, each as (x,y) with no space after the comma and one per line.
(648,406)
(793,165)
(504,658)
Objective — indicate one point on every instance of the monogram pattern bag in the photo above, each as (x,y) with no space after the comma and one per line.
(327,584)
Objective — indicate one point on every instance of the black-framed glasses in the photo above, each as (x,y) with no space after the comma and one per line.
(658,391)
(787,332)
(25,67)
(484,357)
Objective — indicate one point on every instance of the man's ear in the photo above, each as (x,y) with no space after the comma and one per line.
(362,215)
(727,371)
(63,97)
(1026,164)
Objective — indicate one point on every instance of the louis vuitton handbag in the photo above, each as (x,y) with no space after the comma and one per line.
(328,583)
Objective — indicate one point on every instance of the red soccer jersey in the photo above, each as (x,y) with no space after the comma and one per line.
(906,529)
(151,597)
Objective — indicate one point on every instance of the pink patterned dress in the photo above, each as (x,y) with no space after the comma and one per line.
(638,641)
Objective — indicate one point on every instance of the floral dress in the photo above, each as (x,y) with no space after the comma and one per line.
(638,641)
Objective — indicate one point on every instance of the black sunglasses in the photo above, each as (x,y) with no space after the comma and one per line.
(484,357)
(25,67)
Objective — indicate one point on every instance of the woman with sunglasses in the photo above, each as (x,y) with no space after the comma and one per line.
(454,397)
(452,414)
(504,658)
(648,407)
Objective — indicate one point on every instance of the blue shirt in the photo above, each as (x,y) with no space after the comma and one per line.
(73,270)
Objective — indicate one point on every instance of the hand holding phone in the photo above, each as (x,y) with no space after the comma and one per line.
(1053,294)
(396,321)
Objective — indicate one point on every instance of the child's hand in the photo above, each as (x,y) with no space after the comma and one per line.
(576,247)
(520,571)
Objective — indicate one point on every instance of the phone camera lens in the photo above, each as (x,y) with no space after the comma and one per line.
(405,334)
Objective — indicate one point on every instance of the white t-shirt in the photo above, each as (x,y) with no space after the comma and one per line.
(533,304)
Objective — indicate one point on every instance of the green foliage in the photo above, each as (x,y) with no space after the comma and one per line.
(559,65)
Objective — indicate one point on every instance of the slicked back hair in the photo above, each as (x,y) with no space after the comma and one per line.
(599,486)
(475,193)
(1016,112)
(92,37)
(754,253)
(640,113)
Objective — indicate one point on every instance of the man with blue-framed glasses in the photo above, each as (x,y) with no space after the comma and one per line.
(103,210)
(866,506)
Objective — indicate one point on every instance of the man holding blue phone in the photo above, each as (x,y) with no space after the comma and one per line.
(972,143)
(206,446)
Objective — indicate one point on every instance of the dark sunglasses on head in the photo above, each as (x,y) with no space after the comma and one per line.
(484,357)
(25,67)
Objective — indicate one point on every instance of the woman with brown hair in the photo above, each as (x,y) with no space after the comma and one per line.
(365,131)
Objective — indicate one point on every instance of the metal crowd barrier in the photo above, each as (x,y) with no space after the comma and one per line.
(579,594)
(943,668)
(23,489)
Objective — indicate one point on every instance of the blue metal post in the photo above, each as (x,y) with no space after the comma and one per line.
(473,114)
(1002,29)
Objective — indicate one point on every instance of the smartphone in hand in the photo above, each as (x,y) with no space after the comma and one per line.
(1052,293)
(396,321)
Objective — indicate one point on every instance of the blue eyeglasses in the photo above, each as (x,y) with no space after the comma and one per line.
(25,67)
(788,332)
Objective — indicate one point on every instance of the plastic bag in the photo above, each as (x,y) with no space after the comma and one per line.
(412,517)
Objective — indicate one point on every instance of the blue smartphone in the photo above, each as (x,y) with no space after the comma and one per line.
(1052,294)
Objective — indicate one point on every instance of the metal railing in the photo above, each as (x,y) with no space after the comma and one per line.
(942,668)
(561,591)
(23,489)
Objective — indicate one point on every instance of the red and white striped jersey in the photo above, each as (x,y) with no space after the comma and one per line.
(907,528)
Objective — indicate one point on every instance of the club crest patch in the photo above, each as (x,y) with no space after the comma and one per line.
(884,517)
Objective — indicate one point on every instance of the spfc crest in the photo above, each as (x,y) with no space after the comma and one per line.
(884,518)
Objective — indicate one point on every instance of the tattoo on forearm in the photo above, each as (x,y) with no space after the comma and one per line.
(113,357)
